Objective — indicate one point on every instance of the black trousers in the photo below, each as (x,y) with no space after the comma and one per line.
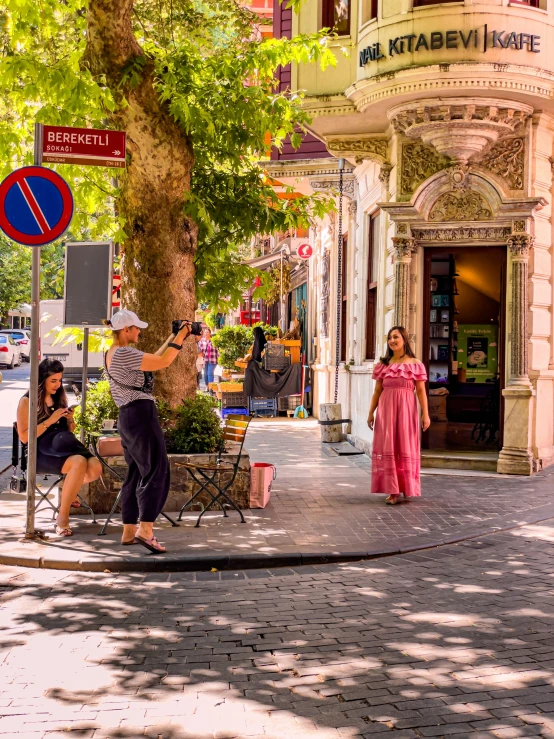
(146,486)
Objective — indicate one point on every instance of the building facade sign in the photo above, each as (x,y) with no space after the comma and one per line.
(476,38)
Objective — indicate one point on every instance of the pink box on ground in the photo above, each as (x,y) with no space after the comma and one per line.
(261,477)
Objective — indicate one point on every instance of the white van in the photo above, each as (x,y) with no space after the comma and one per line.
(71,355)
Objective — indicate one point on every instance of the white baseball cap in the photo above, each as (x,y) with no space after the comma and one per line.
(125,319)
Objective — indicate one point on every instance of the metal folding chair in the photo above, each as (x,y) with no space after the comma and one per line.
(208,476)
(19,459)
(94,449)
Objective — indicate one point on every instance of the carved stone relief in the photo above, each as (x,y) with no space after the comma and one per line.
(403,246)
(384,174)
(419,162)
(459,128)
(507,159)
(519,245)
(463,233)
(347,186)
(457,174)
(359,148)
(460,205)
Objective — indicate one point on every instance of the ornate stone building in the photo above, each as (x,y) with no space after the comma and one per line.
(444,115)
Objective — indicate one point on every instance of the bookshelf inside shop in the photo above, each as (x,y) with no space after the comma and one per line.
(443,324)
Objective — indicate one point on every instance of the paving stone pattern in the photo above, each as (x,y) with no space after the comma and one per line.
(457,642)
(320,503)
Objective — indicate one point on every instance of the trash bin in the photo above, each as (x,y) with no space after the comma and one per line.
(262,475)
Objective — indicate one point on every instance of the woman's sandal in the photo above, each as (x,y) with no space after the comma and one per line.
(63,531)
(392,499)
(151,544)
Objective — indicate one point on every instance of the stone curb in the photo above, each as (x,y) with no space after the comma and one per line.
(237,561)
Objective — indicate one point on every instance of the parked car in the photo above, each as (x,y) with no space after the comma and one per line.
(23,338)
(10,354)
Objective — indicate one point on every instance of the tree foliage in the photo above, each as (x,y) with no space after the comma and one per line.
(202,53)
(15,274)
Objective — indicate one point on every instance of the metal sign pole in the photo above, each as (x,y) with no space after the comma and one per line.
(34,362)
(84,382)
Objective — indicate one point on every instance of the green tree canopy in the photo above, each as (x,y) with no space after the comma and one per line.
(194,88)
(203,53)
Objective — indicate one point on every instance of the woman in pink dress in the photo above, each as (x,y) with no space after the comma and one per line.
(396,445)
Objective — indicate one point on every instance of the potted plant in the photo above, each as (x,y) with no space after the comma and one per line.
(232,342)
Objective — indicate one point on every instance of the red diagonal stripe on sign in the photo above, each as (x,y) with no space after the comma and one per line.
(33,205)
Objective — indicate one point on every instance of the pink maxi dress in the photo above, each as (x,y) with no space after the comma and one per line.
(396,439)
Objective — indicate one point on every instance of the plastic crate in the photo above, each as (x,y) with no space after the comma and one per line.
(288,402)
(233,400)
(263,406)
(234,412)
(276,363)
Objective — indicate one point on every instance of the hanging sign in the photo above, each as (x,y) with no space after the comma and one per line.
(62,145)
(36,206)
(304,251)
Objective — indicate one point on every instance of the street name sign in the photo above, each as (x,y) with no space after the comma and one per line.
(62,145)
(36,206)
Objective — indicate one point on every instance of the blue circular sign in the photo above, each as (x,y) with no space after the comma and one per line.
(36,206)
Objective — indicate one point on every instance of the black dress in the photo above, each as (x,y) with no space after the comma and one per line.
(55,445)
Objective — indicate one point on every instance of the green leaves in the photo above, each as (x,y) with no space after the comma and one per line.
(217,81)
(233,342)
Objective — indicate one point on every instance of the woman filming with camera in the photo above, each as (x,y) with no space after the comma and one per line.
(146,486)
(58,450)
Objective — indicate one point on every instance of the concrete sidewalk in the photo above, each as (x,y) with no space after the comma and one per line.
(320,510)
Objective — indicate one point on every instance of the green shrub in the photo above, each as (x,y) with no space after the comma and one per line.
(268,330)
(195,427)
(99,406)
(232,342)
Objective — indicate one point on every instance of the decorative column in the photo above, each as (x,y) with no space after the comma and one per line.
(353,339)
(516,457)
(519,245)
(403,248)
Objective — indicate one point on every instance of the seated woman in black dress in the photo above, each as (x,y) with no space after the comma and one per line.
(59,451)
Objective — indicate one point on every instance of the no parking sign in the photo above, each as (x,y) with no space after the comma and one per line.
(36,206)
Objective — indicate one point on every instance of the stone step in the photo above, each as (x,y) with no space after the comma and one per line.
(483,461)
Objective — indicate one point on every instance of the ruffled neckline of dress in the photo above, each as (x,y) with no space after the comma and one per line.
(405,370)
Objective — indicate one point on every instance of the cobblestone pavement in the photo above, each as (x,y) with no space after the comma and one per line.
(455,643)
(320,504)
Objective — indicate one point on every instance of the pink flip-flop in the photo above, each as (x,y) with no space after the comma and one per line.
(151,544)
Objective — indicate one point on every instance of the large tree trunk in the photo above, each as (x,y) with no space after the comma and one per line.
(158,254)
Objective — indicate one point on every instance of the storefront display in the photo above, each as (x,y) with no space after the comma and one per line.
(478,352)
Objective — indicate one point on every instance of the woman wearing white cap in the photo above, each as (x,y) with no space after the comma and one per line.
(146,485)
